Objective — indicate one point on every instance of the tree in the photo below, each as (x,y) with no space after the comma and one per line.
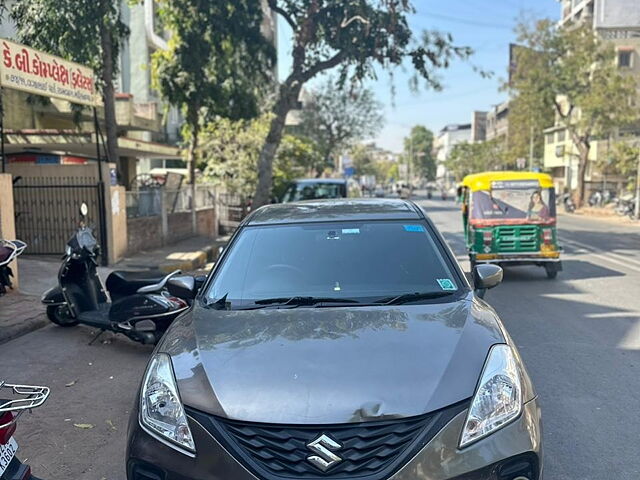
(229,152)
(625,162)
(89,32)
(467,158)
(356,36)
(575,73)
(418,149)
(216,62)
(337,118)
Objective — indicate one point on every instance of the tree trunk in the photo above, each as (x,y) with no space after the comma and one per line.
(193,146)
(106,41)
(192,156)
(286,100)
(584,150)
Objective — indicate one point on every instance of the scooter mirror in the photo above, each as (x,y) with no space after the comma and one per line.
(84,209)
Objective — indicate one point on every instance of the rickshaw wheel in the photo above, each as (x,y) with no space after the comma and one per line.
(552,271)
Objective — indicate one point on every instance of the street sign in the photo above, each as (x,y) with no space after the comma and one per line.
(32,71)
(349,172)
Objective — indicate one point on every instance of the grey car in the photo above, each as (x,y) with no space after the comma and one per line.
(336,339)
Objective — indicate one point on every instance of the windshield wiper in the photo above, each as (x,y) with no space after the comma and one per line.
(412,297)
(300,301)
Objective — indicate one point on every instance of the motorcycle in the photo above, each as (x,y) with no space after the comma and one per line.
(20,399)
(135,304)
(626,206)
(569,205)
(9,251)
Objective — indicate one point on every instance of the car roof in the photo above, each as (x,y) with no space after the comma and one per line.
(320,180)
(332,210)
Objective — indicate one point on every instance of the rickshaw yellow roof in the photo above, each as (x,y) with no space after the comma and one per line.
(482,181)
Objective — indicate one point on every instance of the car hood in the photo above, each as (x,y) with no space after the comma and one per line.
(330,365)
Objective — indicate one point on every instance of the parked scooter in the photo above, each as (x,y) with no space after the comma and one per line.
(135,304)
(9,251)
(569,205)
(17,400)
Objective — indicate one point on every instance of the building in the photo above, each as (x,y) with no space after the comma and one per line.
(618,22)
(447,138)
(498,122)
(479,126)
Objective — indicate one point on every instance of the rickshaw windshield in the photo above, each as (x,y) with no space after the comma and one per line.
(514,200)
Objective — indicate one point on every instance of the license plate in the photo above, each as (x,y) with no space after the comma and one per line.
(7,452)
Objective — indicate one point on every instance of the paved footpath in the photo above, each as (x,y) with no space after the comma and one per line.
(19,314)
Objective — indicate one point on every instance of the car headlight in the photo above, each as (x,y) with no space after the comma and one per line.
(498,398)
(161,409)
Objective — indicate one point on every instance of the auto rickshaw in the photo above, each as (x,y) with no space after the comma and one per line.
(510,219)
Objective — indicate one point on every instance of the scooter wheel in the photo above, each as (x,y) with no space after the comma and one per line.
(60,315)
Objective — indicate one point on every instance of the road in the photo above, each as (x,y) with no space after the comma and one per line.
(579,335)
(580,338)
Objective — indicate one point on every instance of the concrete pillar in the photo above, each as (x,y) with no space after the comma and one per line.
(7,217)
(119,239)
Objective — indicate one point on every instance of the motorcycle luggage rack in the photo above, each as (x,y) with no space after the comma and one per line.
(25,397)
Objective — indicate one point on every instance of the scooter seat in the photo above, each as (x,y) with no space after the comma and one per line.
(122,283)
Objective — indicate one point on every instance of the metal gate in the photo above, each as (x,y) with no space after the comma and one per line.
(48,211)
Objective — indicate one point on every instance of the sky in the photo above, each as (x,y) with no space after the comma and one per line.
(484,25)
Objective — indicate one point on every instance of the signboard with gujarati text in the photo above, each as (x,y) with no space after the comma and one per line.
(32,71)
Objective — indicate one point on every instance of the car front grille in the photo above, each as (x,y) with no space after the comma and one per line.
(368,450)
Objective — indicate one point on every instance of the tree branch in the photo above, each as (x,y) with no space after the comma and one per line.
(273,4)
(328,64)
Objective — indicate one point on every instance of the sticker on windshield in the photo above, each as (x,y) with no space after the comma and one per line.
(447,284)
(350,231)
(414,228)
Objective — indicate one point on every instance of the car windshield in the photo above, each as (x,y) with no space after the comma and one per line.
(531,204)
(343,263)
(312,191)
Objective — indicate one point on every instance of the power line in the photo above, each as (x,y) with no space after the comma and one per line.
(464,21)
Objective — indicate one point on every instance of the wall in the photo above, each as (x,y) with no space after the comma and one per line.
(143,233)
(180,227)
(7,227)
(207,223)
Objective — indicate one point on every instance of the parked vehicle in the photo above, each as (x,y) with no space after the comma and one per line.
(509,218)
(135,304)
(9,251)
(314,350)
(315,188)
(626,206)
(14,401)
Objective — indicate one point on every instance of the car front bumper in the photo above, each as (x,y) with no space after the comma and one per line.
(512,452)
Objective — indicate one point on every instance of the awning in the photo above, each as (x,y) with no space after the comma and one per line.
(69,142)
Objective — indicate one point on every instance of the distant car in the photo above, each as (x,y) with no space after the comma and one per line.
(379,192)
(336,339)
(315,189)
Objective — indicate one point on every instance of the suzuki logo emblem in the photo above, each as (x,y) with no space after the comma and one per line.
(323,447)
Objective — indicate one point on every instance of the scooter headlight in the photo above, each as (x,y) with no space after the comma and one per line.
(498,398)
(68,251)
(161,410)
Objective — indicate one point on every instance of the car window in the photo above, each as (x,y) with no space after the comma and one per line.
(361,261)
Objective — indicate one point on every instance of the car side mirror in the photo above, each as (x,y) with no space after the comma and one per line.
(184,286)
(486,277)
